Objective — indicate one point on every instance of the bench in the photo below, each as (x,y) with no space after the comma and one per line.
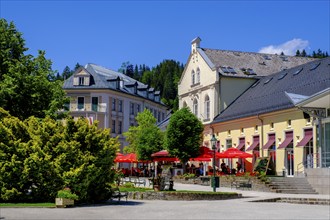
(205,180)
(244,185)
(241,184)
(139,182)
(116,194)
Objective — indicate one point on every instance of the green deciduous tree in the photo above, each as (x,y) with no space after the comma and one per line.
(146,138)
(27,84)
(184,135)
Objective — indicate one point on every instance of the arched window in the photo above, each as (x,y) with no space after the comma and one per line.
(195,107)
(198,75)
(207,107)
(192,77)
(184,104)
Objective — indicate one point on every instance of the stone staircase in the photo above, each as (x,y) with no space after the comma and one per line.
(290,185)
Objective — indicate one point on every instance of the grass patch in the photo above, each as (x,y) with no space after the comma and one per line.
(27,205)
(134,189)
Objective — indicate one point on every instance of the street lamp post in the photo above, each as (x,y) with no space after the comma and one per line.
(213,143)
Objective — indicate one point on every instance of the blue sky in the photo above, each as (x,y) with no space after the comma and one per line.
(109,33)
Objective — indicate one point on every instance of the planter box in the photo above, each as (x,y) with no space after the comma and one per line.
(62,203)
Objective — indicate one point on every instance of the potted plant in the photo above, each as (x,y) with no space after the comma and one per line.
(65,198)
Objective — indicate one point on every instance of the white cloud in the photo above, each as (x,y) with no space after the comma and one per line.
(288,48)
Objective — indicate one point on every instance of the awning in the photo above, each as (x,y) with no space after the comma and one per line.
(254,144)
(287,141)
(241,143)
(270,142)
(308,136)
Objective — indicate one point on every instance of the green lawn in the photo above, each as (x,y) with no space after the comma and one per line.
(134,189)
(26,205)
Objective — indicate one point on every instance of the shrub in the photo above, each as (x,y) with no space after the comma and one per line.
(67,194)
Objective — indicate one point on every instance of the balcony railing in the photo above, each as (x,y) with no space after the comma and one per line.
(101,107)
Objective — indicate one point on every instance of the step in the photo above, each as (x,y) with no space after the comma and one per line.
(290,191)
(290,187)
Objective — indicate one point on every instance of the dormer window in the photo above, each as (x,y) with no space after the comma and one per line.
(82,78)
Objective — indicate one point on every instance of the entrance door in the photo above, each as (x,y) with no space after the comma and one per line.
(308,156)
(289,162)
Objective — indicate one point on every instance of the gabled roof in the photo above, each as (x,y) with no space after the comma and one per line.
(245,64)
(269,93)
(104,78)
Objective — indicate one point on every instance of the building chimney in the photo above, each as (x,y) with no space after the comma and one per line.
(195,43)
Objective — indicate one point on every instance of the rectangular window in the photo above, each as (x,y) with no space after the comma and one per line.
(120,124)
(113,106)
(289,123)
(120,105)
(95,102)
(81,81)
(81,103)
(159,117)
(138,108)
(228,143)
(163,116)
(131,108)
(208,109)
(113,128)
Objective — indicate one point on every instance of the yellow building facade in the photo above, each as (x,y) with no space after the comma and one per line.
(265,128)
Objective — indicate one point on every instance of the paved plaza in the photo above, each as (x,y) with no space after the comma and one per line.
(243,208)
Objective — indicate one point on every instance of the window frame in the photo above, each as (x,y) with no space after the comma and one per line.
(195,107)
(207,107)
(81,80)
(95,106)
(83,104)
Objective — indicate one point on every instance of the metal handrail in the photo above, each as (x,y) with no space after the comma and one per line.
(302,165)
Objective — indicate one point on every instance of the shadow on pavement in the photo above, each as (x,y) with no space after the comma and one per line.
(111,203)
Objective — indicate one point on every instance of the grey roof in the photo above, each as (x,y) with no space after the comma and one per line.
(163,124)
(103,78)
(269,93)
(261,64)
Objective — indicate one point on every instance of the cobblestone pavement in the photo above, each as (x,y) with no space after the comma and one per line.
(221,209)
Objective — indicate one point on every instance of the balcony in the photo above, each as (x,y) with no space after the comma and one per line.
(101,107)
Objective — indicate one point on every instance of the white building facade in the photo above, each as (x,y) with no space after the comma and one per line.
(111,98)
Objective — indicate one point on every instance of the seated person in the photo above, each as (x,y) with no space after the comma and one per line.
(238,166)
(223,167)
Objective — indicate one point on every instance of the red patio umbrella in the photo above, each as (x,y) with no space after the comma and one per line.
(205,154)
(162,153)
(202,158)
(118,157)
(205,150)
(169,159)
(233,153)
(128,158)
